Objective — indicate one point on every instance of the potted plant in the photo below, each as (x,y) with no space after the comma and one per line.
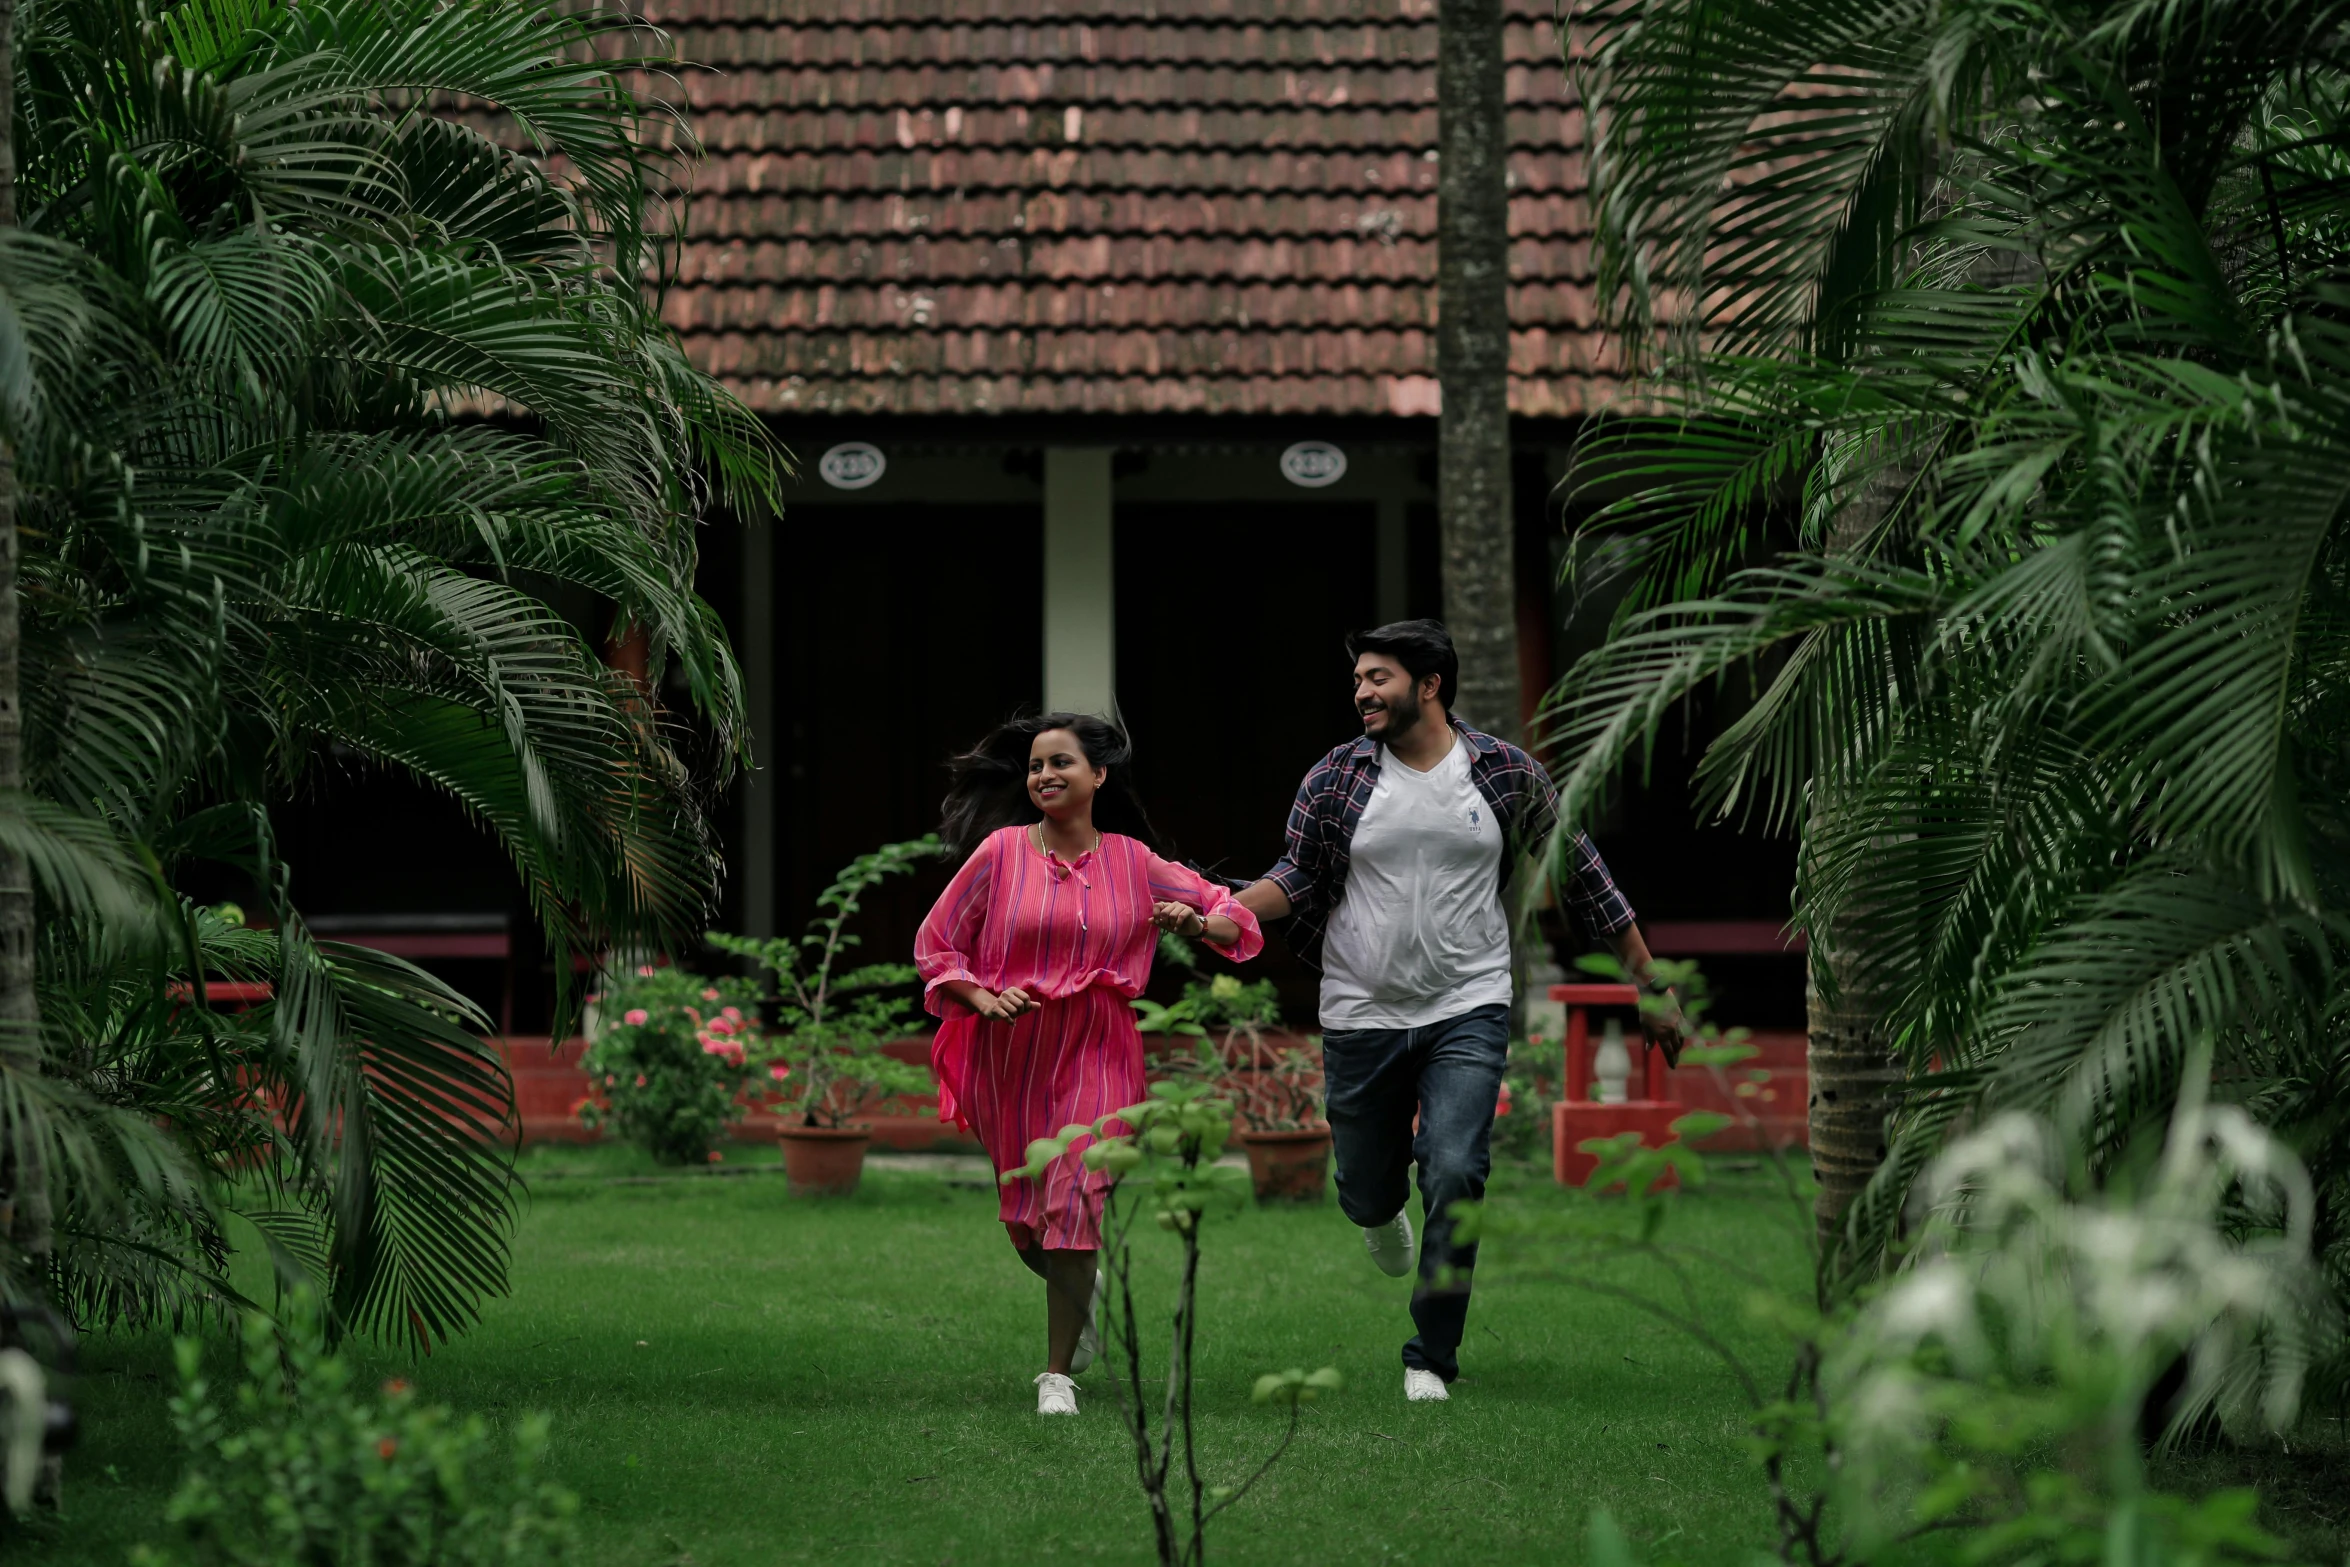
(826,1028)
(1279,1100)
(1273,1083)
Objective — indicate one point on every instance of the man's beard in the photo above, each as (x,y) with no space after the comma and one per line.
(1402,714)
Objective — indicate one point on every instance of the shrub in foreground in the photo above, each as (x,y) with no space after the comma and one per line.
(305,1467)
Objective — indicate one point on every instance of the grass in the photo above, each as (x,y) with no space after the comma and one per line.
(740,1377)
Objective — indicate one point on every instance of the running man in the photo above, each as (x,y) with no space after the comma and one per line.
(1399,848)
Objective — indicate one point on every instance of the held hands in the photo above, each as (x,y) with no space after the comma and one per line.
(1180,918)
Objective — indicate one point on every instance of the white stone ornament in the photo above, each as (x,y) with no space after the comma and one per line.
(1313,464)
(852,465)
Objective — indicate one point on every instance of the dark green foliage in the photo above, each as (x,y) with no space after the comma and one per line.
(259,292)
(2026,322)
(308,1467)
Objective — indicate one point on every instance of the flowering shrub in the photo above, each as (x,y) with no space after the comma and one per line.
(1521,1121)
(675,1056)
(318,1470)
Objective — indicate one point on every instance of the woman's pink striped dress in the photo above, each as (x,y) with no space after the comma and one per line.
(1077,936)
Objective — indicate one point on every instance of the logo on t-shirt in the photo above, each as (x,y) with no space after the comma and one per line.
(1473,819)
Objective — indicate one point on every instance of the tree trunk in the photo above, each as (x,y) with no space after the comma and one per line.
(1472,362)
(25,1181)
(1854,1074)
(1853,1080)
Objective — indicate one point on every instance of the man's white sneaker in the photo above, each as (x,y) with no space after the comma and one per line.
(1423,1387)
(1391,1245)
(1056,1394)
(1089,1337)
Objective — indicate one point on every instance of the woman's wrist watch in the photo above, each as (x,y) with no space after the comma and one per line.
(1201,916)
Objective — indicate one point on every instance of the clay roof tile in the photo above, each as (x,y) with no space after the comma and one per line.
(1106,206)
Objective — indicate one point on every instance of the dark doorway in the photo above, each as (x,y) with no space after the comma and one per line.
(1232,672)
(902,634)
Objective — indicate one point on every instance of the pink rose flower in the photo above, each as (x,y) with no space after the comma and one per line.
(719,1025)
(636,1015)
(640,1080)
(733,1013)
(644,971)
(778,1071)
(711,994)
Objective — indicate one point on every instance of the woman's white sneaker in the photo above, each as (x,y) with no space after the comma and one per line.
(1391,1245)
(1089,1337)
(1424,1387)
(1055,1394)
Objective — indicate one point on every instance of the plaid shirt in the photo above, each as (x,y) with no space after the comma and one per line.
(1330,803)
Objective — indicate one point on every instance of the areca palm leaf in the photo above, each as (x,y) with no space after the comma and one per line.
(2053,292)
(270,272)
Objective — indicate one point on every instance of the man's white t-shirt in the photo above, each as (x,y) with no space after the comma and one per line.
(1419,934)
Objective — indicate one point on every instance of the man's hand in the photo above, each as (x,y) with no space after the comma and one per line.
(1662,1026)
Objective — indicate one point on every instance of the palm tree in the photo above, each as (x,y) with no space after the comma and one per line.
(324,395)
(1473,361)
(2026,321)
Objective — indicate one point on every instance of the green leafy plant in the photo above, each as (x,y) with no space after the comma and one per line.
(1521,1120)
(1162,1156)
(311,1468)
(1277,1089)
(1985,1405)
(827,1027)
(1989,1404)
(673,1057)
(1272,1088)
(267,260)
(2019,325)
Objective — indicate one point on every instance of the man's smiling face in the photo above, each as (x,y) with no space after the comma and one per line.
(1386,696)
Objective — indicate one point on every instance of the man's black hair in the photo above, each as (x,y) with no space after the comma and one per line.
(1423,647)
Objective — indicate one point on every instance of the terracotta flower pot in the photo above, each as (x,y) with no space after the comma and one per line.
(1289,1166)
(822,1161)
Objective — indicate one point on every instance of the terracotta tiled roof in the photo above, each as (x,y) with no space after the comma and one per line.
(1104,206)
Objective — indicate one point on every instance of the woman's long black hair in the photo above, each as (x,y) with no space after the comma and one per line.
(988,785)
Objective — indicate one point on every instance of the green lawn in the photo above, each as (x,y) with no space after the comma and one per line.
(737,1376)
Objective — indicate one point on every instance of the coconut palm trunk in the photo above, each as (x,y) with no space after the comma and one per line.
(21,1176)
(1847,1052)
(1472,361)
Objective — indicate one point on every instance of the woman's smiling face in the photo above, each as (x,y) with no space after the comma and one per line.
(1061,781)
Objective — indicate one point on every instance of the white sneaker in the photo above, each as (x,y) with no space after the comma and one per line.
(1089,1337)
(1392,1246)
(1424,1387)
(1057,1395)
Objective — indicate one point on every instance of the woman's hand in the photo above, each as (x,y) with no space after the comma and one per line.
(998,1006)
(1004,1005)
(1180,918)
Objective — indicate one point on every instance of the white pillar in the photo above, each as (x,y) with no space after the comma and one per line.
(1080,582)
(1392,563)
(758,657)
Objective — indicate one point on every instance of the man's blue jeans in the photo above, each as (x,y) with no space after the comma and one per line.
(1449,1074)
